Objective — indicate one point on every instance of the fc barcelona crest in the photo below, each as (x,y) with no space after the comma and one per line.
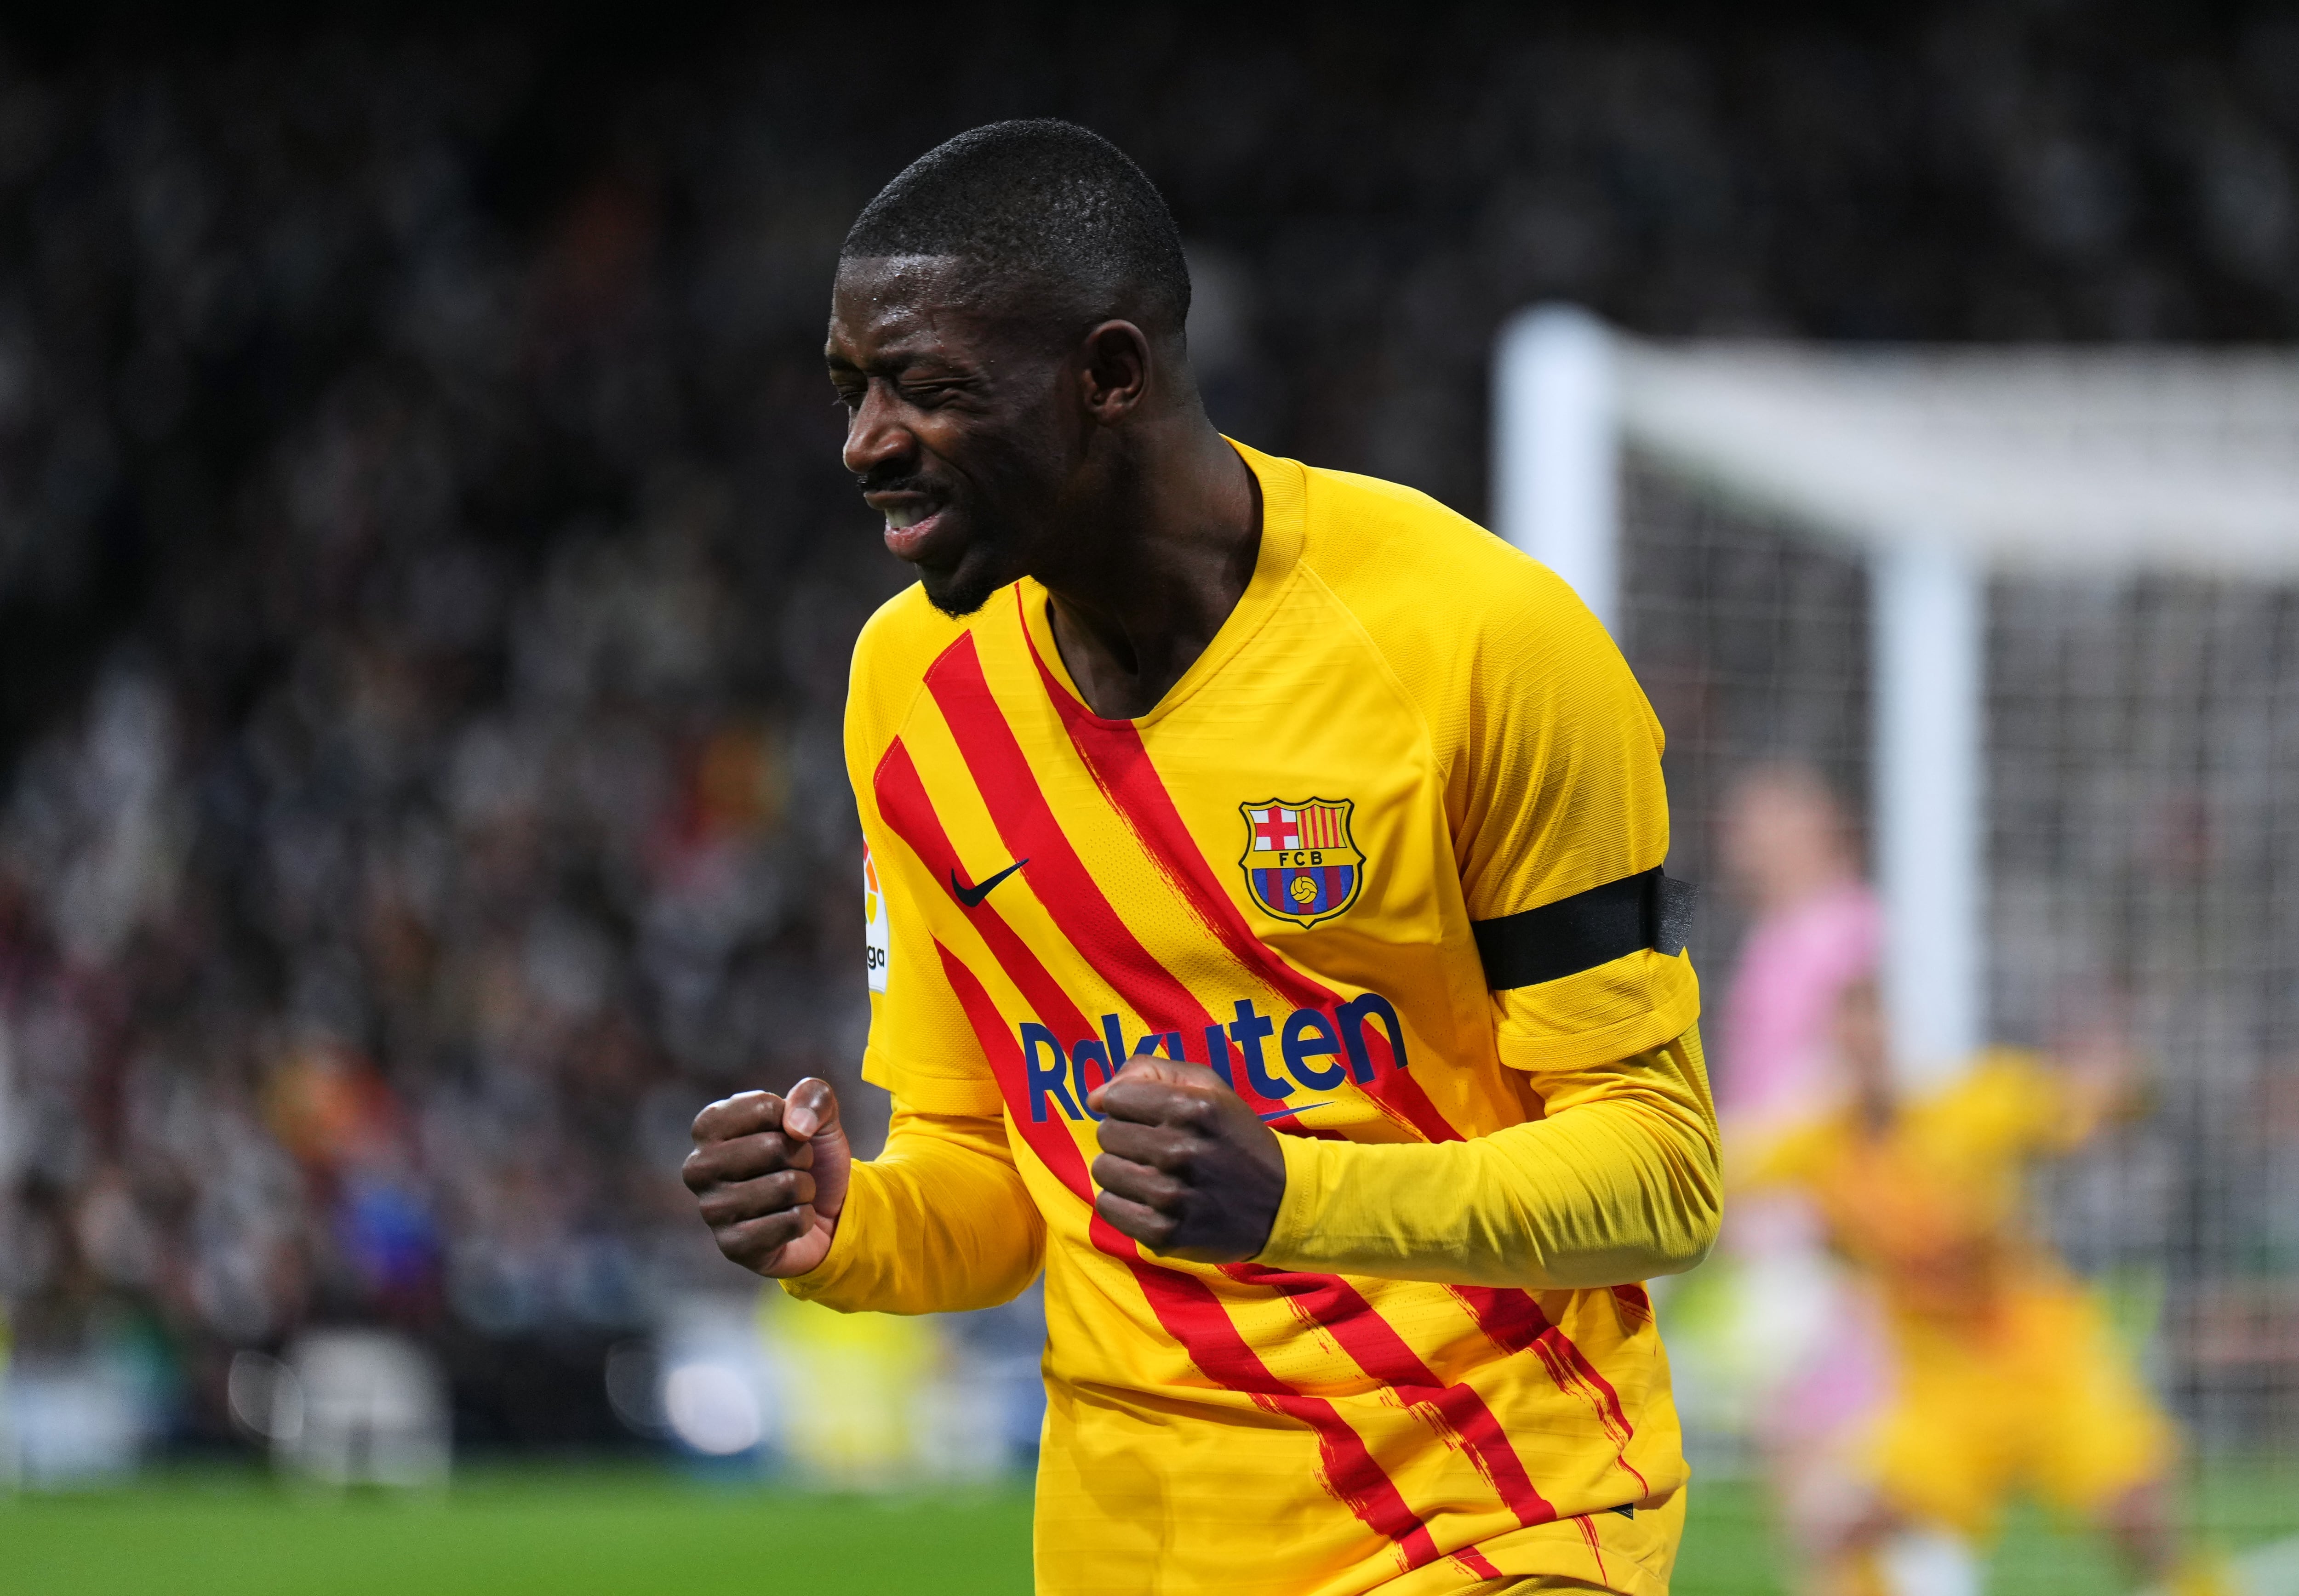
(1299,862)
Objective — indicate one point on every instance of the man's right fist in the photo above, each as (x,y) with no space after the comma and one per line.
(770,1174)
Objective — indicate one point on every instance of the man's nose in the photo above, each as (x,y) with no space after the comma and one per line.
(875,434)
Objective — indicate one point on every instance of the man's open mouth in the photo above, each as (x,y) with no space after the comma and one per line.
(910,526)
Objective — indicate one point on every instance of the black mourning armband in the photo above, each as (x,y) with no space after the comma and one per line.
(1586,929)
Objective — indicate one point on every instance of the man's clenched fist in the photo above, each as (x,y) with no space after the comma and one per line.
(1186,1168)
(771,1174)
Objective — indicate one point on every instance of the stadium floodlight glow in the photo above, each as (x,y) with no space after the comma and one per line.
(711,1408)
(1945,468)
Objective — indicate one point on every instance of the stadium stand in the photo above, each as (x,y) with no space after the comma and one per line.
(425,578)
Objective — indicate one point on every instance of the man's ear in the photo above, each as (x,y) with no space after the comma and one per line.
(1115,378)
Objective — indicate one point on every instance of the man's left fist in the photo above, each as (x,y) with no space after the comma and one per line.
(1186,1168)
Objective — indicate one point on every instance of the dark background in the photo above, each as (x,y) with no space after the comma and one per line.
(426,578)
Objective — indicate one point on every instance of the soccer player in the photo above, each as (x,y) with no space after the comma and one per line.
(1268,941)
(1805,1341)
(2006,1378)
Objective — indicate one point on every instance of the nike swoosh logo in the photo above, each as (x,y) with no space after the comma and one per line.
(1282,1113)
(972,897)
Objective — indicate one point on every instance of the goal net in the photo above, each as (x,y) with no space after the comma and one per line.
(2033,616)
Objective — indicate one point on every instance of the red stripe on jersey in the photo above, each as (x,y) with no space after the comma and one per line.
(1596,1546)
(1188,1308)
(909,814)
(1056,1148)
(1121,767)
(1477,1563)
(1383,1353)
(1515,1323)
(1194,1316)
(1059,879)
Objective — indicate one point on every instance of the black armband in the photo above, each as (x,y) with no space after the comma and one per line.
(1586,929)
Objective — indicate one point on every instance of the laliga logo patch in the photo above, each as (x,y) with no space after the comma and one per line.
(1299,862)
(874,916)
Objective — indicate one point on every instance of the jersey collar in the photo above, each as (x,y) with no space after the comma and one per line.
(1283,529)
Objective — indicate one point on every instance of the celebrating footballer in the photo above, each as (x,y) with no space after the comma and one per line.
(1272,949)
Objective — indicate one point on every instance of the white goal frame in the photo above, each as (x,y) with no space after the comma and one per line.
(1942,466)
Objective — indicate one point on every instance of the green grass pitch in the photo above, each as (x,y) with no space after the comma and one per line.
(575,1531)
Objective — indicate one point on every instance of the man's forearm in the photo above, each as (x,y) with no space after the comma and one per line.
(940,1222)
(1619,1183)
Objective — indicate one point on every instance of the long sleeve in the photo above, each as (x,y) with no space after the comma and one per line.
(1619,1182)
(937,1223)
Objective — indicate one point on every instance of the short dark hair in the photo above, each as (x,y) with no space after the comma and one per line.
(1039,200)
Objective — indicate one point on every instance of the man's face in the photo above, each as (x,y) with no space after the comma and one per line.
(956,426)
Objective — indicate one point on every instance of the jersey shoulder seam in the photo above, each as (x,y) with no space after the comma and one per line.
(1394,492)
(1396,683)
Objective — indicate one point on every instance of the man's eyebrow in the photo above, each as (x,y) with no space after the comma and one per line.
(899,361)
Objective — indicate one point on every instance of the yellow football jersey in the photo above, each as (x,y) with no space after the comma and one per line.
(1935,1205)
(1407,740)
(2006,1373)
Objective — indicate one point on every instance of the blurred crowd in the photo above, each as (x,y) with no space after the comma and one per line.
(426,580)
(461,805)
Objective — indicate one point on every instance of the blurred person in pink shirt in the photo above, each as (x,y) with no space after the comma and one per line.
(1789,853)
(1807,1342)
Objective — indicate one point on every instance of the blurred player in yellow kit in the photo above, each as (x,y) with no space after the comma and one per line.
(2006,1378)
(1269,944)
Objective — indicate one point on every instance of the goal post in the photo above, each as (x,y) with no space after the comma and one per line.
(1557,450)
(2033,612)
(1559,427)
(1927,670)
(1937,467)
